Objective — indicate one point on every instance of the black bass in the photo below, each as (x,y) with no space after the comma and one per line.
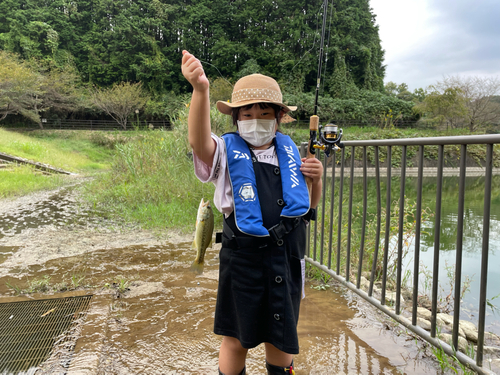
(203,234)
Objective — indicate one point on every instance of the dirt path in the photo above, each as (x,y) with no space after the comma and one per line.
(52,224)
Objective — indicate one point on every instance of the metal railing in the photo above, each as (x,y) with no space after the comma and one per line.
(98,124)
(321,257)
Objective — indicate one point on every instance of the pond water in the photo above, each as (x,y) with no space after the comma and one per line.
(472,246)
(472,238)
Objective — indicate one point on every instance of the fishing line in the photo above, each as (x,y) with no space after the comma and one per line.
(310,49)
(326,50)
(206,62)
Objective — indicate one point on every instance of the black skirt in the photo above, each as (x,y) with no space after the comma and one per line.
(260,288)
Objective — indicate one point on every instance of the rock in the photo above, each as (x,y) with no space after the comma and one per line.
(425,302)
(462,343)
(447,319)
(470,330)
(492,338)
(390,297)
(423,313)
(425,324)
(493,350)
(364,283)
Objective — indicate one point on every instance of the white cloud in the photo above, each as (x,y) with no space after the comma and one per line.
(425,40)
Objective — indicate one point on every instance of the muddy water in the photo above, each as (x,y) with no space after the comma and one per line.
(156,317)
(162,323)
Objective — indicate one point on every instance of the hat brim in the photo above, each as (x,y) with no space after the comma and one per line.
(227,108)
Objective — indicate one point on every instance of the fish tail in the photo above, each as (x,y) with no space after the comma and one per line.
(197,267)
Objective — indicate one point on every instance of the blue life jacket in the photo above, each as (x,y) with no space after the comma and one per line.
(247,211)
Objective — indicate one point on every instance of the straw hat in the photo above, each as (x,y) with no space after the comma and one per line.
(255,88)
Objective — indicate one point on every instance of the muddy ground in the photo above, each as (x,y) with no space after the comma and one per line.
(150,314)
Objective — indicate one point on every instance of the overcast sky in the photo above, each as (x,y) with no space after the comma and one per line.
(425,40)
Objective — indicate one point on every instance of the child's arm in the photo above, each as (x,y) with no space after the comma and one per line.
(199,131)
(313,168)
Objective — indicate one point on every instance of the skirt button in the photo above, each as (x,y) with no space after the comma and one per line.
(277,316)
(278,279)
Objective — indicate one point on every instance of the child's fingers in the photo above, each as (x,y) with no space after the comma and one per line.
(193,64)
(311,167)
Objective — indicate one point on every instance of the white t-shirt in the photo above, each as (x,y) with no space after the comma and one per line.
(218,173)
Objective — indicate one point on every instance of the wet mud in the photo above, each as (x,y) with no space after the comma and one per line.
(151,314)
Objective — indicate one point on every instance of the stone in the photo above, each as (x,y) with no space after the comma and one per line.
(462,343)
(423,313)
(492,350)
(492,338)
(425,324)
(390,297)
(364,283)
(447,319)
(470,330)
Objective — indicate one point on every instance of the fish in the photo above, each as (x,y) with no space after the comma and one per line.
(203,235)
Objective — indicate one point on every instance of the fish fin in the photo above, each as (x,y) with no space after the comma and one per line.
(197,267)
(193,245)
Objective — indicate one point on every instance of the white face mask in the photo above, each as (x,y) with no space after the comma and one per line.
(257,132)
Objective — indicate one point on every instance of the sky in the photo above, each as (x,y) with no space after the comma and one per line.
(427,40)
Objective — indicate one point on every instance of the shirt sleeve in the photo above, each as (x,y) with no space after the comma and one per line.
(218,175)
(204,172)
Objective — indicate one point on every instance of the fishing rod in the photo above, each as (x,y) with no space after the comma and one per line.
(327,138)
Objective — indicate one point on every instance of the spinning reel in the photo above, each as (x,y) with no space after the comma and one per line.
(329,139)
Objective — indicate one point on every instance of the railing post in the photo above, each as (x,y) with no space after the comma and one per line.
(323,200)
(484,255)
(332,196)
(460,234)
(437,239)
(401,230)
(379,213)
(341,193)
(363,223)
(349,225)
(387,223)
(418,225)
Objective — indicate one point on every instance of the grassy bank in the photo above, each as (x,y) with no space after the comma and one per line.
(83,153)
(148,175)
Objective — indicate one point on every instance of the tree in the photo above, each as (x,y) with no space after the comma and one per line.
(443,107)
(20,89)
(59,90)
(120,101)
(477,94)
(398,91)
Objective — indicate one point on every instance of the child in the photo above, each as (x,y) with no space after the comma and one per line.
(266,205)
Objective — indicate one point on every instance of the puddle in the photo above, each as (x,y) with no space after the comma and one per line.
(57,209)
(156,317)
(6,252)
(163,321)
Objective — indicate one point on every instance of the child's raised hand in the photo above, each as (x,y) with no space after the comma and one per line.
(312,168)
(193,71)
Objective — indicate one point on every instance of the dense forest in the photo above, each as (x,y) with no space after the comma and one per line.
(62,58)
(122,40)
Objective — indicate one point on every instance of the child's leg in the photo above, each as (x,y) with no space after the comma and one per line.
(276,357)
(231,356)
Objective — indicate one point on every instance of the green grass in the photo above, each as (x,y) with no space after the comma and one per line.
(83,153)
(23,180)
(69,150)
(152,182)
